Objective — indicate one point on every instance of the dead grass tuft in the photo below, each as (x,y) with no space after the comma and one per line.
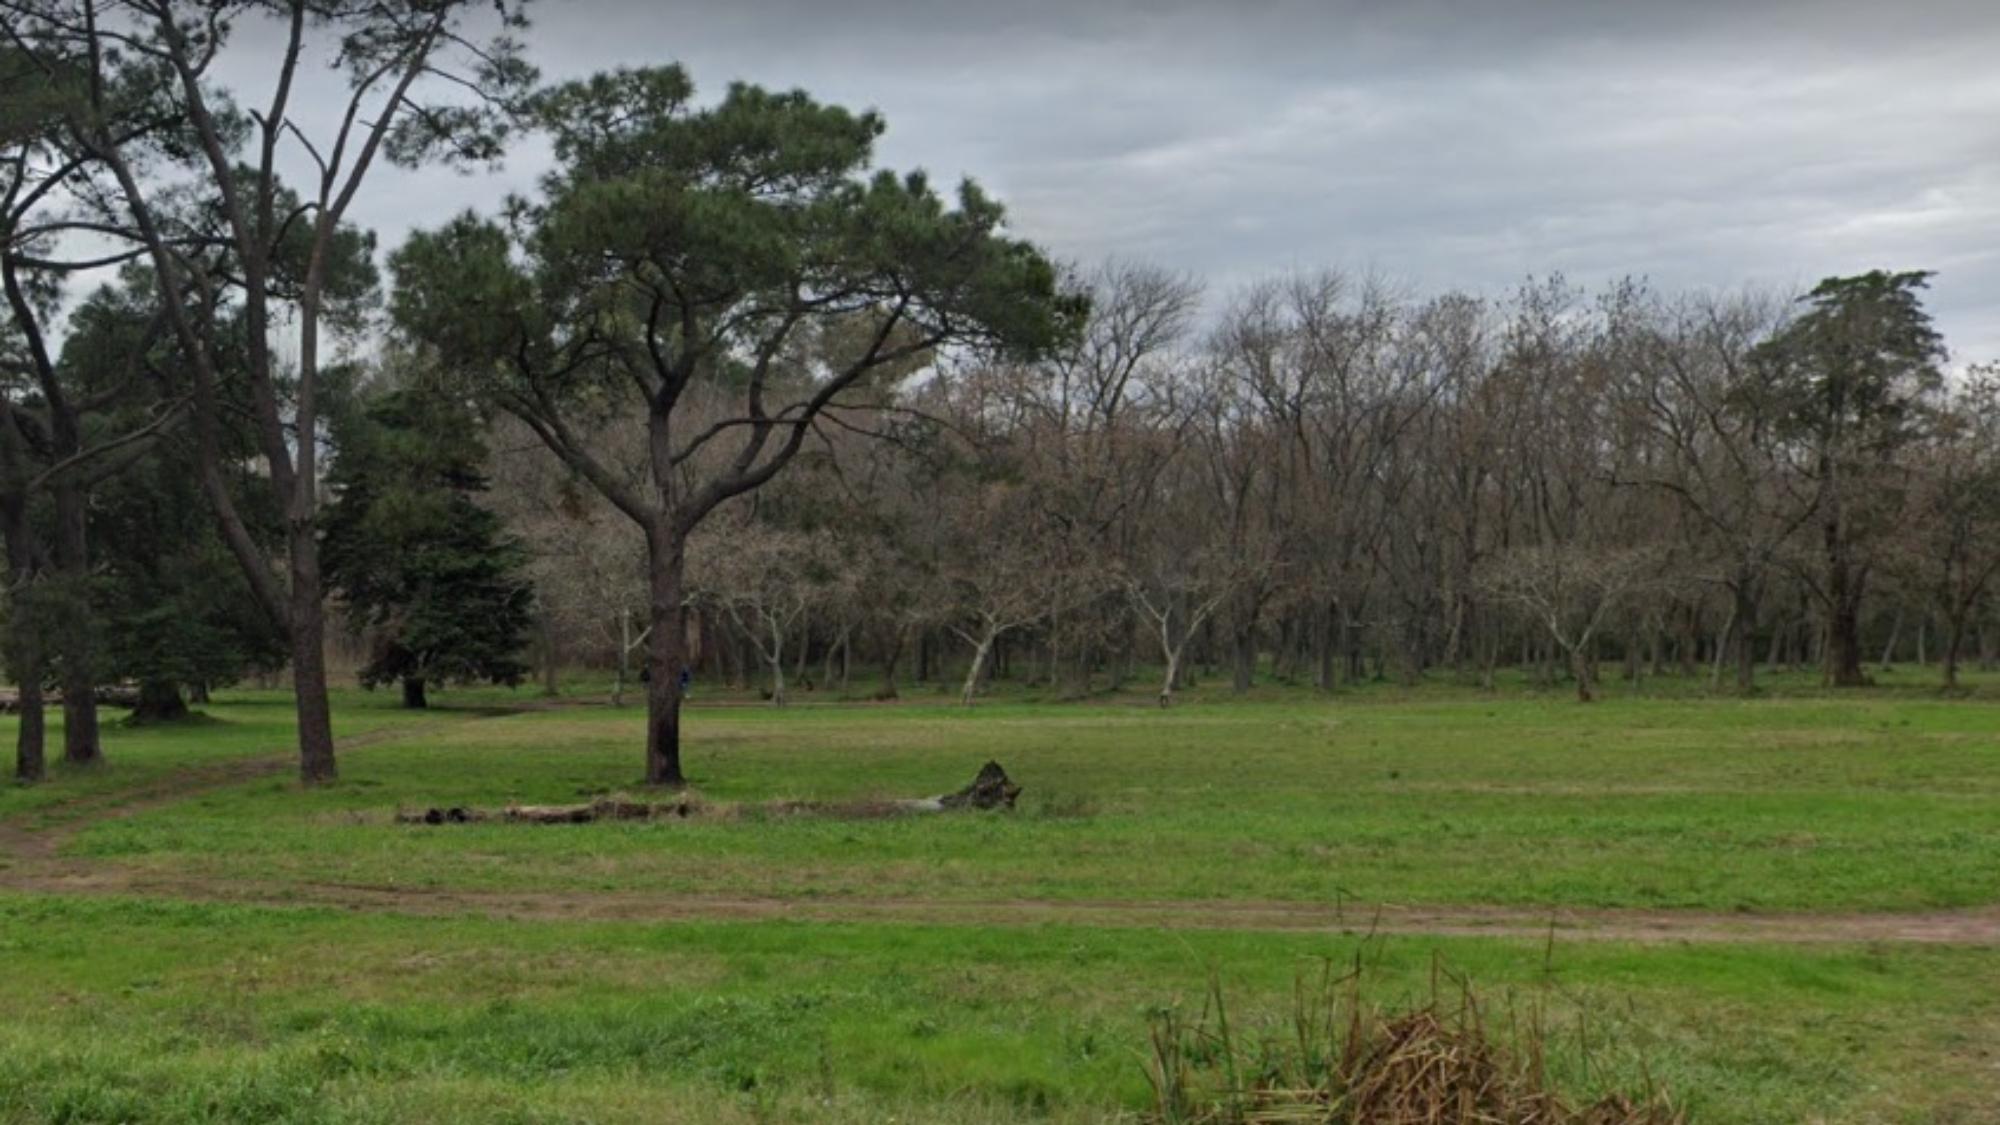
(1343,1061)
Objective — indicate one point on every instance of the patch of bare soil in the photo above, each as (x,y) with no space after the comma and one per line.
(1979,927)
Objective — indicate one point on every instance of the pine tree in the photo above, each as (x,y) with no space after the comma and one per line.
(419,564)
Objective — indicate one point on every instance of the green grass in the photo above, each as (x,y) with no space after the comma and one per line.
(237,725)
(125,1011)
(1808,803)
(161,1011)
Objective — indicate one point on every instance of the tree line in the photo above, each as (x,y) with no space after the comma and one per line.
(719,398)
(1333,480)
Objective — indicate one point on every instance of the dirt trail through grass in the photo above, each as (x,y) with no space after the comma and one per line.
(31,861)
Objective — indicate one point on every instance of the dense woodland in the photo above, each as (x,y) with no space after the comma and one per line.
(721,401)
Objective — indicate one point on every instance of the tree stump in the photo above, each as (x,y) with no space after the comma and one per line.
(992,789)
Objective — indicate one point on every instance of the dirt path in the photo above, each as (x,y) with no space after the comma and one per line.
(1979,927)
(34,864)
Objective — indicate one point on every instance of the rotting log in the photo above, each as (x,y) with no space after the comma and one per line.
(992,789)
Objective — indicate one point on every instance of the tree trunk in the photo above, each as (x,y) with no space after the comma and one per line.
(1579,662)
(1323,655)
(550,687)
(971,689)
(898,638)
(413,694)
(1746,653)
(1243,658)
(31,739)
(308,629)
(624,656)
(1895,634)
(666,653)
(1843,645)
(1171,680)
(799,668)
(1954,641)
(24,644)
(159,702)
(846,656)
(82,744)
(1843,597)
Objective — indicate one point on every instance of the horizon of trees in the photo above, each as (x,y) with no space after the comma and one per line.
(1335,481)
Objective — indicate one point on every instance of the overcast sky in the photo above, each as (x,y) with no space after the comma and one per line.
(1699,143)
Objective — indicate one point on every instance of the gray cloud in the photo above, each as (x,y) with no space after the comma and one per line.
(1466,144)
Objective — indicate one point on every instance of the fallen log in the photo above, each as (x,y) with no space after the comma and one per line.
(992,789)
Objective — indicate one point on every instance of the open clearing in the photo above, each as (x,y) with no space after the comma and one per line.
(1785,907)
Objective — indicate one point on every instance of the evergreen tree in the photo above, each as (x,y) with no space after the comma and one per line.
(417,561)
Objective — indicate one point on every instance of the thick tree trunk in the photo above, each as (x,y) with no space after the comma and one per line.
(308,629)
(24,645)
(1579,662)
(413,694)
(1323,654)
(31,738)
(1843,646)
(666,654)
(1243,658)
(1171,680)
(1843,603)
(159,702)
(82,743)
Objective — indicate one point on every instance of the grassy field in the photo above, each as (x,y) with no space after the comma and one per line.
(134,992)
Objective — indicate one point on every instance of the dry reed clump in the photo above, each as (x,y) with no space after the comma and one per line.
(1344,1062)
